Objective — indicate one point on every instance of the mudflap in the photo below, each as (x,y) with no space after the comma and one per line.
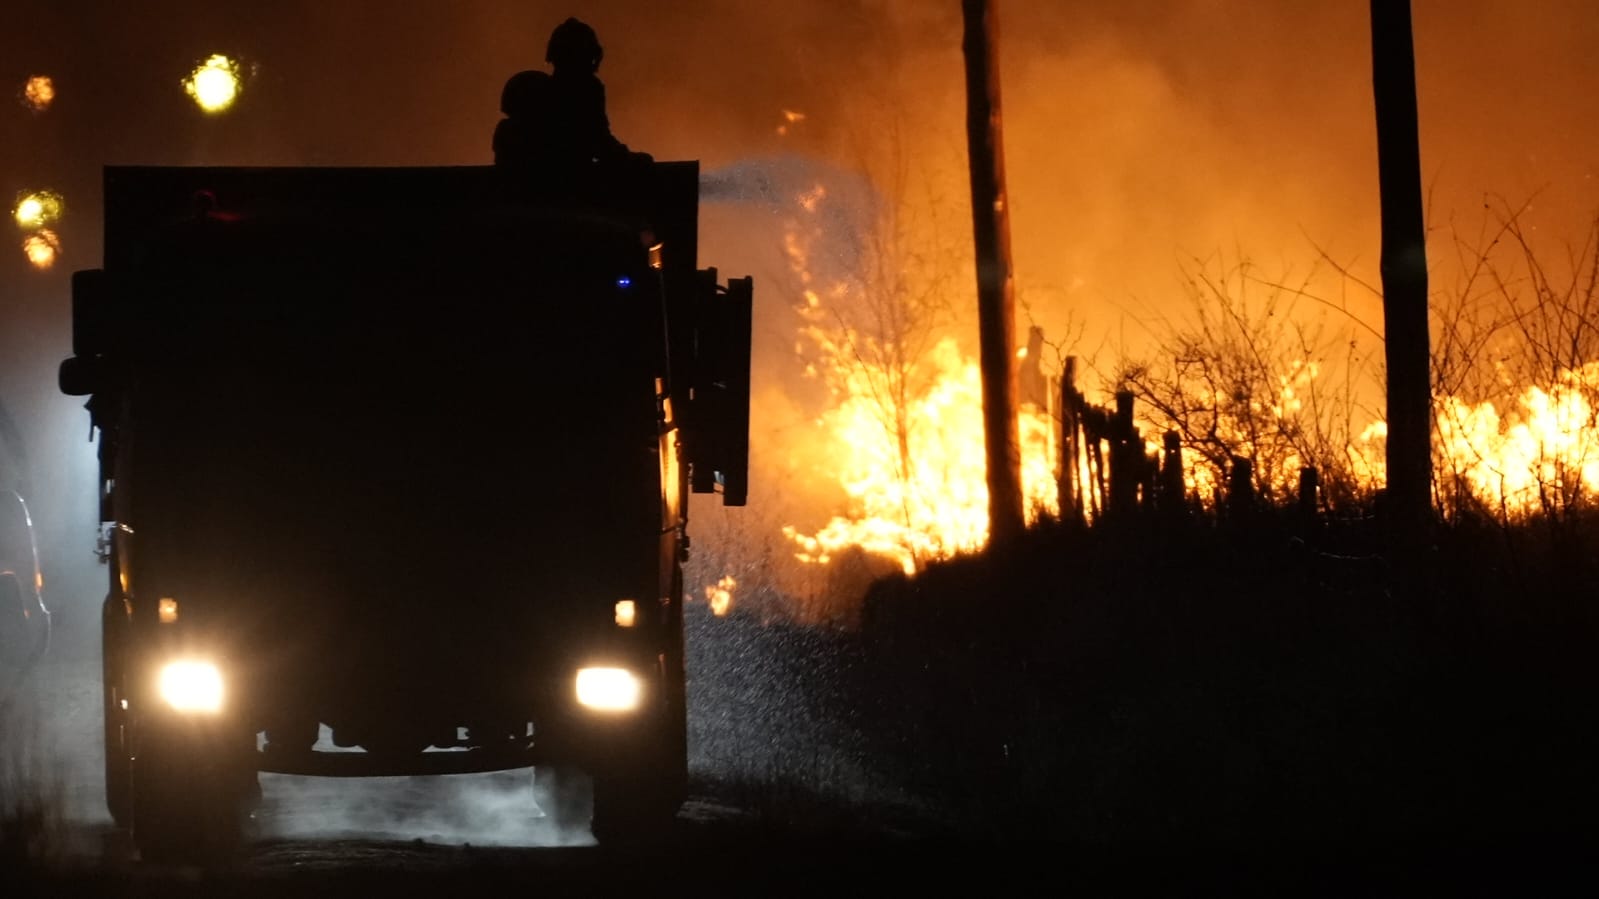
(638,790)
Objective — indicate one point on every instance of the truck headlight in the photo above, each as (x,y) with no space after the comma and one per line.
(190,686)
(608,689)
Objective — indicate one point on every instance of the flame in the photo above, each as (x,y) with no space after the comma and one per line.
(940,507)
(903,433)
(720,595)
(215,84)
(41,247)
(38,209)
(1540,453)
(38,93)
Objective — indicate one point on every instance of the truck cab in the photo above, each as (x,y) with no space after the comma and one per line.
(403,457)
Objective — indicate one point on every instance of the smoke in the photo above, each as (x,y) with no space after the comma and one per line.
(499,809)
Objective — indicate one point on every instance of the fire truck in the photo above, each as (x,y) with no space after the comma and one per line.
(395,467)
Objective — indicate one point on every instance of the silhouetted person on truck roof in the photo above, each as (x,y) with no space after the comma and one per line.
(522,137)
(559,119)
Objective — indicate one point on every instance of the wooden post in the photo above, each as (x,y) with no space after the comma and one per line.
(1309,488)
(995,288)
(1125,458)
(1094,435)
(1404,278)
(1067,487)
(1240,490)
(1172,487)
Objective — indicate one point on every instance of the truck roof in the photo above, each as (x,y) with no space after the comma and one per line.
(144,204)
(212,259)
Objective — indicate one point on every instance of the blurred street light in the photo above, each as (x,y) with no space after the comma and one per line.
(214,84)
(38,93)
(37,209)
(41,247)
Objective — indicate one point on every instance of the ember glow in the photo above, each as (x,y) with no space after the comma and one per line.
(790,119)
(214,84)
(720,595)
(41,247)
(38,93)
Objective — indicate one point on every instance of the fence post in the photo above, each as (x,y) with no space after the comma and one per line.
(1171,474)
(1066,486)
(1124,458)
(1309,487)
(1240,489)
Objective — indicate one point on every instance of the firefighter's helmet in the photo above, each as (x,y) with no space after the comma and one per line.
(525,94)
(574,43)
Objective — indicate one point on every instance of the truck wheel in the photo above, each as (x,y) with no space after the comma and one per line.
(186,810)
(118,783)
(631,808)
(563,793)
(118,779)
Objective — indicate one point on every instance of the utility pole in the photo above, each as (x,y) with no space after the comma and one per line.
(1404,279)
(995,289)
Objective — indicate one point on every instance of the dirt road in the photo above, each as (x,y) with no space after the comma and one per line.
(783,794)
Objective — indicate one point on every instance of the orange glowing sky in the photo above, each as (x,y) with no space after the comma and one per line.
(1137,132)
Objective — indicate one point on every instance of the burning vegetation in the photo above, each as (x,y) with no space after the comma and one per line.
(901,428)
(1264,387)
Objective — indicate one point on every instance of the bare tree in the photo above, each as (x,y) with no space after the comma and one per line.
(1251,374)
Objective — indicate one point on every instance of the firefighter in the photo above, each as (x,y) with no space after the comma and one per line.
(1032,386)
(522,137)
(578,127)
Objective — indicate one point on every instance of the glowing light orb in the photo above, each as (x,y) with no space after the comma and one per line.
(214,84)
(38,93)
(41,247)
(38,209)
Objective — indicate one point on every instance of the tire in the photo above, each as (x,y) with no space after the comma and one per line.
(187,808)
(633,807)
(118,774)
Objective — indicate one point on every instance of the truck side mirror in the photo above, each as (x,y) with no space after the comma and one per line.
(91,300)
(719,446)
(733,464)
(79,375)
